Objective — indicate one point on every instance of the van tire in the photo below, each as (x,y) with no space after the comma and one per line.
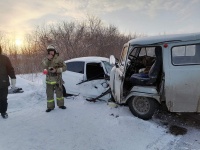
(143,107)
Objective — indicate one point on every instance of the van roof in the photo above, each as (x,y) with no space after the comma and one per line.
(156,40)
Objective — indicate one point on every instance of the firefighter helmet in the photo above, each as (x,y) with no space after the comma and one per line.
(51,48)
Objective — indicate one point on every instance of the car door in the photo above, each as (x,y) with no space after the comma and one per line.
(94,83)
(119,75)
(94,88)
(73,75)
(182,78)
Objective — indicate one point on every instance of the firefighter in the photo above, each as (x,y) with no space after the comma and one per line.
(6,71)
(54,67)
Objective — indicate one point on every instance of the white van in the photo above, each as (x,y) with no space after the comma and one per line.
(158,70)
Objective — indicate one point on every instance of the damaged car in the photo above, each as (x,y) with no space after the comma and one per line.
(158,71)
(88,76)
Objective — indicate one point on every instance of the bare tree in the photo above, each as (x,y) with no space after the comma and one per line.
(72,39)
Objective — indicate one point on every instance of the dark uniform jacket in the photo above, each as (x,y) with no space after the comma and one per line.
(6,71)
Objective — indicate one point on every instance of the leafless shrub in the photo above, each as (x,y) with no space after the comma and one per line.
(72,39)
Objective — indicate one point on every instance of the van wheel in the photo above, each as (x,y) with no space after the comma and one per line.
(142,107)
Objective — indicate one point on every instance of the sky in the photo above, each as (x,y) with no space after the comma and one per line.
(149,17)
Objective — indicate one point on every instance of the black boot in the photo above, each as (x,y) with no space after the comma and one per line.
(48,110)
(62,107)
(4,115)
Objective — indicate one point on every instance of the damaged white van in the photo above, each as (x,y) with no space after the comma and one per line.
(158,70)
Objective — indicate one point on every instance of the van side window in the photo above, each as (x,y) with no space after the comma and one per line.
(147,51)
(186,55)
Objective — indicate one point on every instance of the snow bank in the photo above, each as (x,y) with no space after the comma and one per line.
(82,126)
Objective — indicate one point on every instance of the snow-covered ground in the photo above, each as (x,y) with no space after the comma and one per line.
(82,126)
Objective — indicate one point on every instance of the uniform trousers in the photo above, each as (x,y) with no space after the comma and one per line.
(50,89)
(3,100)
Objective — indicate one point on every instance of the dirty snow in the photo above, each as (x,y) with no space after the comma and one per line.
(82,126)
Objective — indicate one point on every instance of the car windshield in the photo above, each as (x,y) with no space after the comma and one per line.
(108,66)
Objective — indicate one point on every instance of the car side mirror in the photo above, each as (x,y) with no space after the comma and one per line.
(112,60)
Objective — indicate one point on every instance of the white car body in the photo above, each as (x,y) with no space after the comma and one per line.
(92,72)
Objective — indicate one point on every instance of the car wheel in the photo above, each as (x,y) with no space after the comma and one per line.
(142,107)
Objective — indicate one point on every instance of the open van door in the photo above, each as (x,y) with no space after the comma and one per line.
(119,75)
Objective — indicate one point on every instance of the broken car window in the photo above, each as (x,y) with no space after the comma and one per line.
(108,67)
(94,71)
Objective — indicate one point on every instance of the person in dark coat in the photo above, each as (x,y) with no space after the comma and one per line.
(6,71)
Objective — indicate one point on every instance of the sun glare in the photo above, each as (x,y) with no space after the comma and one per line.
(18,42)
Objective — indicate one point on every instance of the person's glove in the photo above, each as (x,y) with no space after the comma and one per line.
(13,83)
(59,70)
(45,71)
